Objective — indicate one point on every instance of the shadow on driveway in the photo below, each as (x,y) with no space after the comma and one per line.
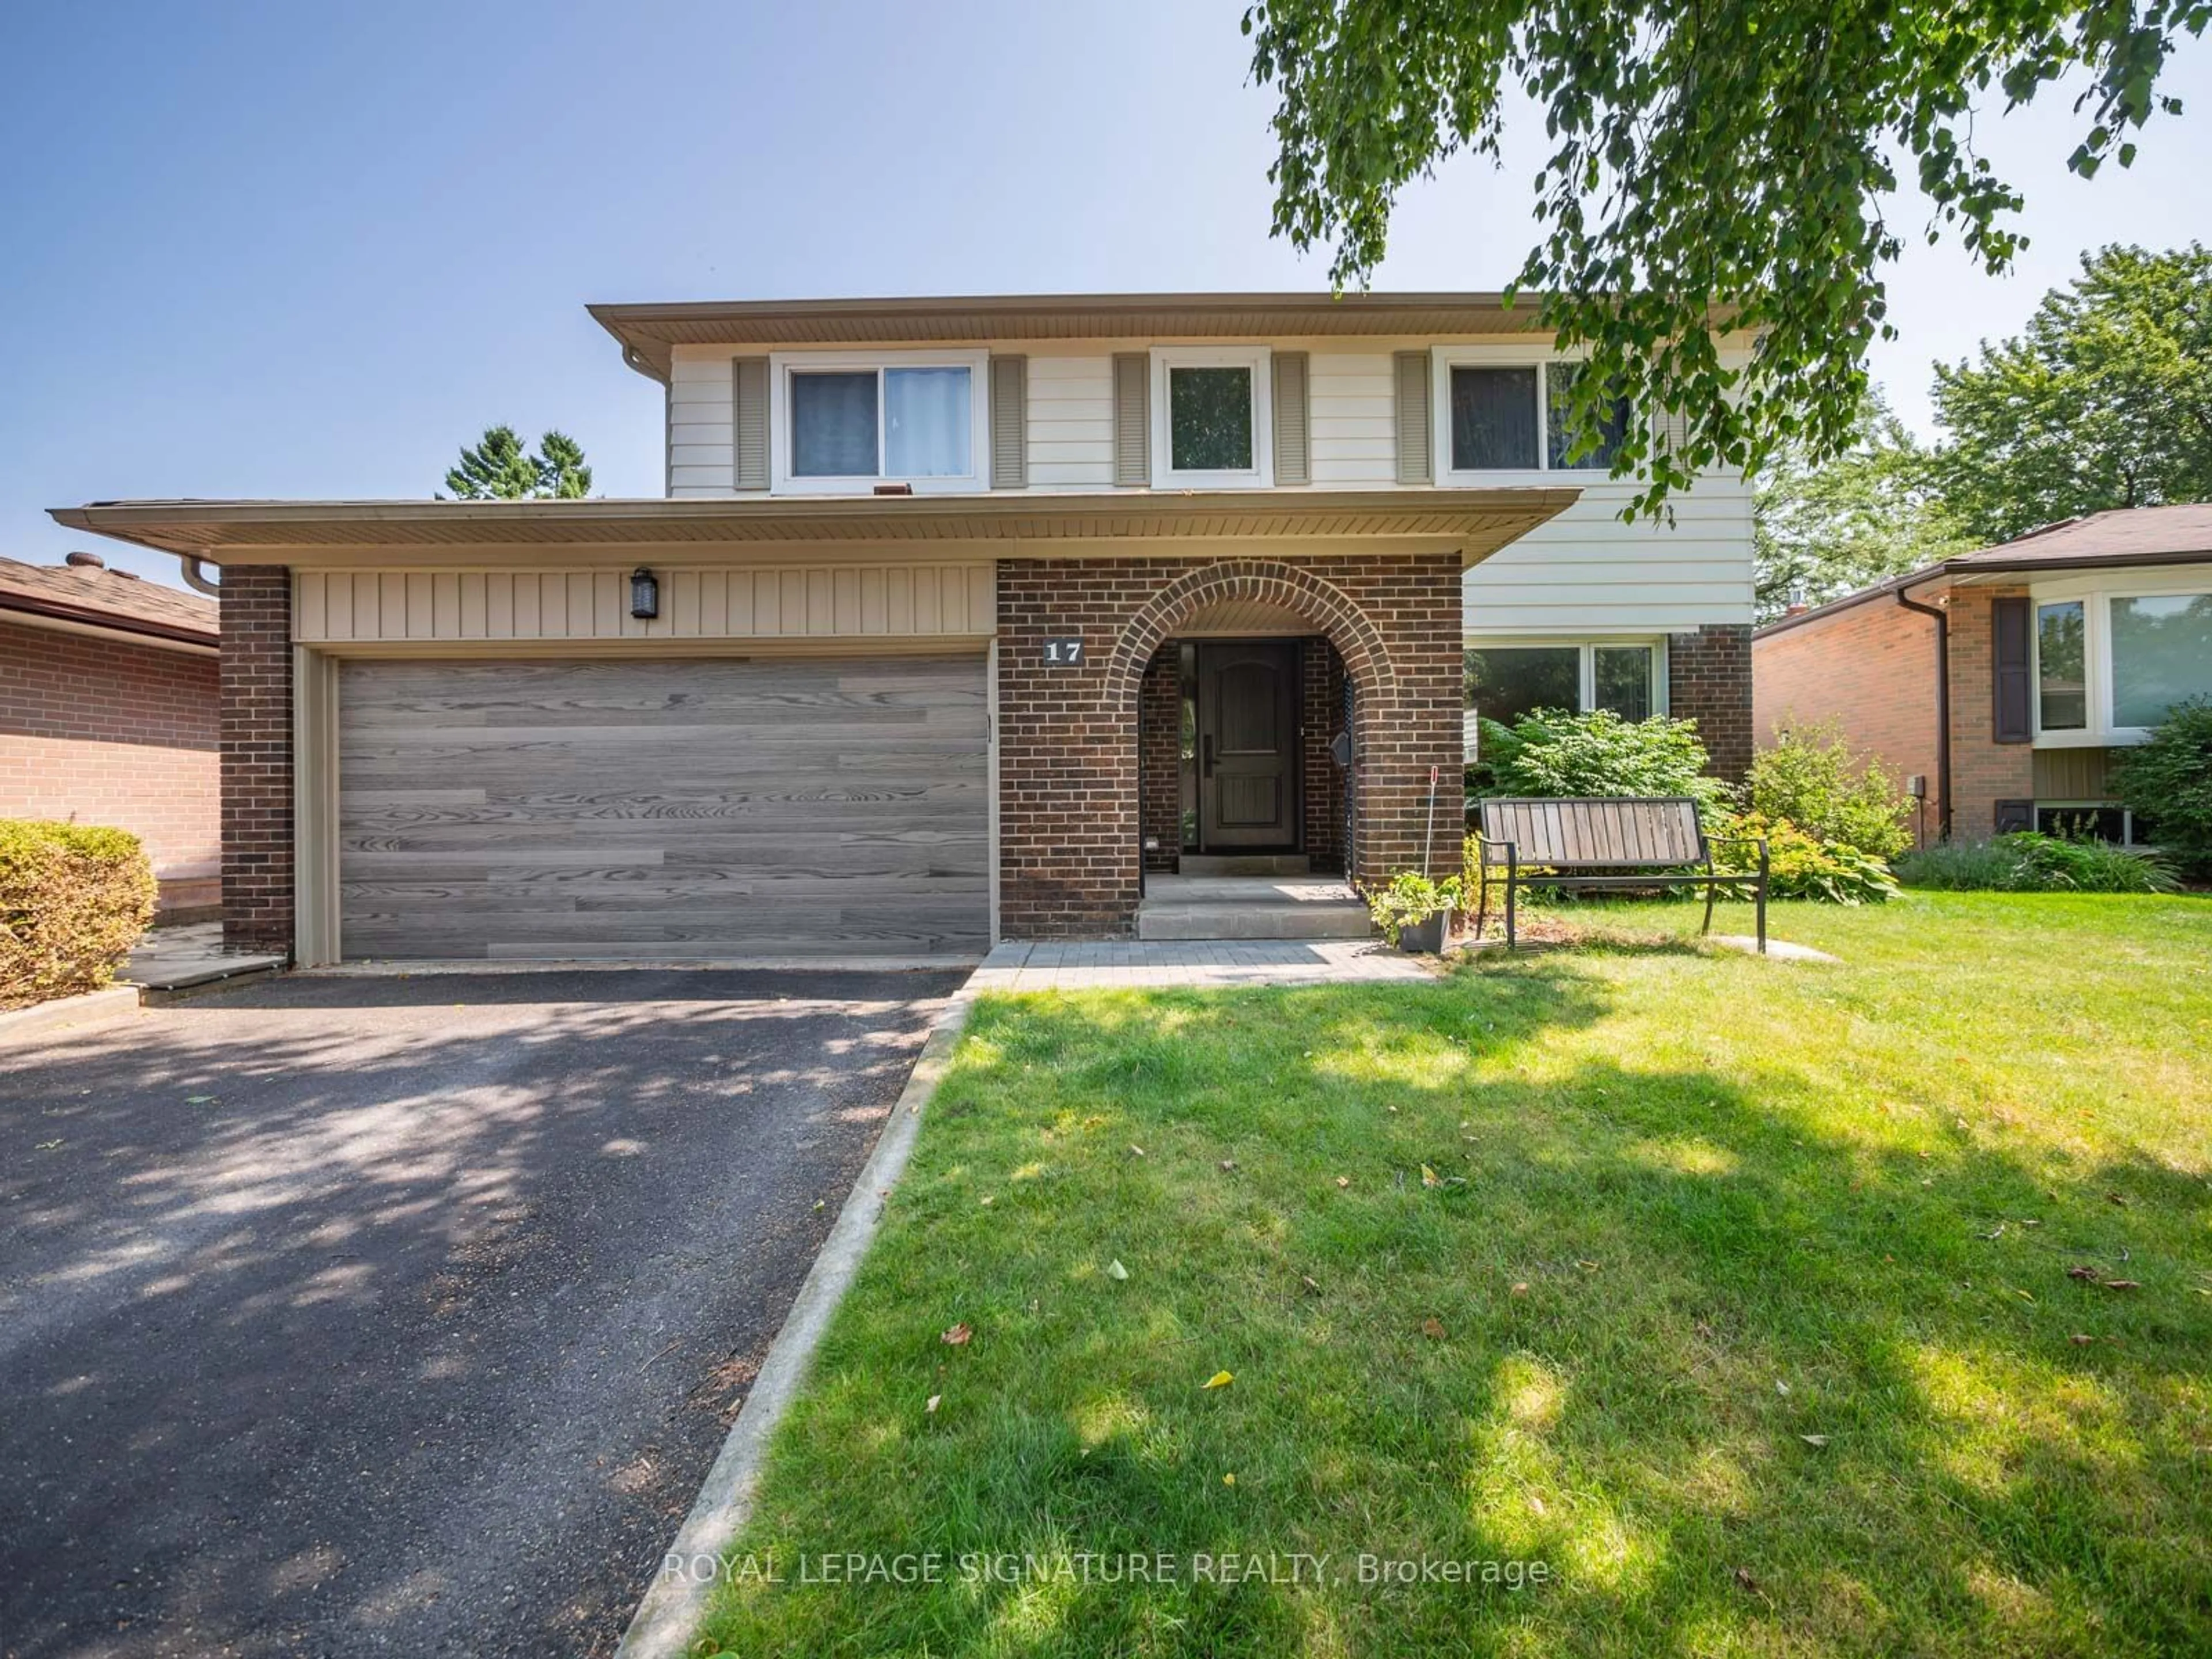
(344,1315)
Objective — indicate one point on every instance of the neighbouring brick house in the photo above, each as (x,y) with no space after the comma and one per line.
(2008,677)
(109,713)
(959,620)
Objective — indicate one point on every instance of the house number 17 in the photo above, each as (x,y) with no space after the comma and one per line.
(1063,653)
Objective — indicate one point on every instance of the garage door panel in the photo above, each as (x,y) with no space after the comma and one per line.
(687,809)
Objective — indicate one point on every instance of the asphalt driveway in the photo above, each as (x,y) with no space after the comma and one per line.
(354,1315)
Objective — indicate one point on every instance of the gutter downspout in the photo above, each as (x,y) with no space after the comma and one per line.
(1942,708)
(196,578)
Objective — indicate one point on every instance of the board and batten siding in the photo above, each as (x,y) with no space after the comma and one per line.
(924,602)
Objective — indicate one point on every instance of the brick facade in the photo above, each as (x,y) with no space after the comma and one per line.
(1982,770)
(1068,809)
(1871,670)
(1161,720)
(1709,681)
(257,758)
(103,731)
(1321,717)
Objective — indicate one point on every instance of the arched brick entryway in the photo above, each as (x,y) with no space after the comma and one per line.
(1256,581)
(1069,777)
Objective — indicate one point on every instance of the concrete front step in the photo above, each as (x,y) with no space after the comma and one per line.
(1249,908)
(1244,864)
(1240,921)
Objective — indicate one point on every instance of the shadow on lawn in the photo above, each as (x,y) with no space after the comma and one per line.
(1686,1241)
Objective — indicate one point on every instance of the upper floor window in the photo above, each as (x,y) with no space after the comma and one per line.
(1498,416)
(1210,417)
(850,423)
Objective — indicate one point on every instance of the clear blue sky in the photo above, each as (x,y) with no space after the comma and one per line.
(308,250)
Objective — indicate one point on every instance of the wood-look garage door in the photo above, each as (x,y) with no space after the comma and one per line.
(771,807)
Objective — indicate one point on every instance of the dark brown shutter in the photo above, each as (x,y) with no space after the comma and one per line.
(2014,717)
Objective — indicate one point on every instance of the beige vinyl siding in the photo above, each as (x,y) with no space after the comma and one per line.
(702,414)
(1071,426)
(1586,570)
(1354,411)
(906,601)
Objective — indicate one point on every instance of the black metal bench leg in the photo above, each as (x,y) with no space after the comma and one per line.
(1482,899)
(1712,891)
(1762,915)
(1512,881)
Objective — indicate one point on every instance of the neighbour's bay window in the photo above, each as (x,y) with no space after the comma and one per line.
(1505,681)
(851,423)
(2109,667)
(1502,416)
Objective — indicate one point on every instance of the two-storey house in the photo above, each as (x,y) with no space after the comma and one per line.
(958,620)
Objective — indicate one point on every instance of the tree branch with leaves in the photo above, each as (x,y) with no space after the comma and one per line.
(1718,160)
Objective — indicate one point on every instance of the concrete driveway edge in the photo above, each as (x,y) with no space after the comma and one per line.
(87,1008)
(676,1601)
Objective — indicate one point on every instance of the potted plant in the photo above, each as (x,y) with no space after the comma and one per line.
(1414,913)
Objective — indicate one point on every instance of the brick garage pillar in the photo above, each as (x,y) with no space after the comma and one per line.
(1709,681)
(1068,809)
(1982,770)
(257,758)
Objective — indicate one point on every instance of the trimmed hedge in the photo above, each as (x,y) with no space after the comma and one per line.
(74,899)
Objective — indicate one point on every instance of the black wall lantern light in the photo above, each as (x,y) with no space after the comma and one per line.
(644,594)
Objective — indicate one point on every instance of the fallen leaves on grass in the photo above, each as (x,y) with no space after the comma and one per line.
(1430,1178)
(1115,1270)
(1136,1151)
(1433,1328)
(957,1337)
(1342,1181)
(1218,1379)
(1813,1439)
(1310,1283)
(931,1407)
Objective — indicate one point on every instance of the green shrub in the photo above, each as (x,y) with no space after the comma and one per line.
(1809,779)
(74,899)
(2025,862)
(1800,866)
(1598,754)
(2168,782)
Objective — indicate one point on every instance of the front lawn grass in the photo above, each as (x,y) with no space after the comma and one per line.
(1740,1295)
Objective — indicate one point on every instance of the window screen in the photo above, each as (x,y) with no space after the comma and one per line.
(1493,418)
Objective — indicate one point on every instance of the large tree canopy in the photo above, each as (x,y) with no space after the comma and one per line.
(1729,157)
(1823,529)
(2105,400)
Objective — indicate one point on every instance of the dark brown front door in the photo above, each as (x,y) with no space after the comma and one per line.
(1247,741)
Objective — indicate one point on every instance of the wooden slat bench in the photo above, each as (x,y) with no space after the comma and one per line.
(1583,844)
